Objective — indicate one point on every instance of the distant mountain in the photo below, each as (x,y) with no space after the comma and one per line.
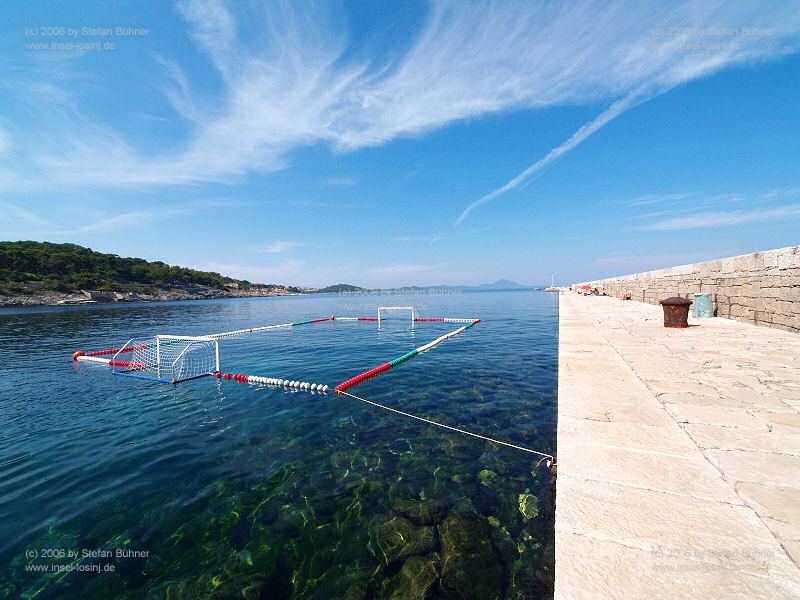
(339,287)
(500,284)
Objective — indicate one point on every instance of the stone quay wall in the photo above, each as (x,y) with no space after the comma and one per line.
(761,288)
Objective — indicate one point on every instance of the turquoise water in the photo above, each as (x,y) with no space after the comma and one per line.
(215,489)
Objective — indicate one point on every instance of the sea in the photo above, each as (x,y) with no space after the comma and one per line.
(115,487)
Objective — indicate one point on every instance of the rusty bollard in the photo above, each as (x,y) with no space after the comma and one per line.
(676,311)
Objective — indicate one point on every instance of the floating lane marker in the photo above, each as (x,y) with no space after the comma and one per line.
(356,318)
(353,381)
(331,318)
(95,359)
(227,334)
(95,356)
(81,353)
(111,361)
(275,382)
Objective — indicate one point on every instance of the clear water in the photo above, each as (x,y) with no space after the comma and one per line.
(217,489)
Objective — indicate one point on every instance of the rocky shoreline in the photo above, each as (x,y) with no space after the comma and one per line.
(53,298)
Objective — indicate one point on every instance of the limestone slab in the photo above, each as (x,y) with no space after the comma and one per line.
(645,469)
(767,468)
(716,415)
(676,527)
(627,433)
(606,569)
(780,503)
(671,441)
(727,438)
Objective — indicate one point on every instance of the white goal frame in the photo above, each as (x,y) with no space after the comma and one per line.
(411,309)
(168,358)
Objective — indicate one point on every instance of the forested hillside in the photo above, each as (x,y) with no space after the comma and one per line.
(67,267)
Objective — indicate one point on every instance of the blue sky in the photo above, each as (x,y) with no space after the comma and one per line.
(401,143)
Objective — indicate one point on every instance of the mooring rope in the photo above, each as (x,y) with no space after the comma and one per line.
(456,429)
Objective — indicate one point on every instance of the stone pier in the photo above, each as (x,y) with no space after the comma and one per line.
(678,456)
(761,288)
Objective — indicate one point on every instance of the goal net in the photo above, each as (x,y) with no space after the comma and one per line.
(168,358)
(405,312)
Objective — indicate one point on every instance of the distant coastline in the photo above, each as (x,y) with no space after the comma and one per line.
(53,298)
(48,274)
(177,293)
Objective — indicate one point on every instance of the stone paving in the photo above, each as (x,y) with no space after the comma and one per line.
(678,456)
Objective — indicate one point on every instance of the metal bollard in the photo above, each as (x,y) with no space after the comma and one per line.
(676,311)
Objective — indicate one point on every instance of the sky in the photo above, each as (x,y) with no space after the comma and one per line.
(393,143)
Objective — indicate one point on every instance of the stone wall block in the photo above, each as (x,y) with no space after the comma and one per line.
(789,258)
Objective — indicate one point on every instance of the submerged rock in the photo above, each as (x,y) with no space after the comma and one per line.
(494,460)
(470,566)
(416,579)
(487,478)
(420,512)
(529,506)
(488,501)
(531,581)
(396,538)
(357,590)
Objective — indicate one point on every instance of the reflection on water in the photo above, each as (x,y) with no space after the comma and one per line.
(130,489)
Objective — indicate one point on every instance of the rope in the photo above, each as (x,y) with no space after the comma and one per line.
(429,422)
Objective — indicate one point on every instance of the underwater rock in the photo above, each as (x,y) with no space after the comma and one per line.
(254,591)
(487,477)
(470,566)
(528,506)
(506,549)
(341,581)
(488,502)
(283,474)
(394,538)
(494,460)
(358,588)
(459,447)
(420,512)
(400,447)
(531,581)
(416,579)
(263,557)
(463,530)
(357,591)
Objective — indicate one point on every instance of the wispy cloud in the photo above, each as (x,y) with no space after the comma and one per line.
(287,272)
(131,220)
(617,264)
(631,60)
(288,76)
(536,168)
(93,218)
(281,246)
(652,199)
(405,269)
(697,210)
(427,238)
(5,140)
(20,216)
(726,218)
